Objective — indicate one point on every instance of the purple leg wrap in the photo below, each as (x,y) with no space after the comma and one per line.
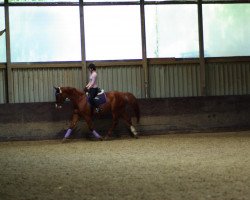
(96,134)
(68,133)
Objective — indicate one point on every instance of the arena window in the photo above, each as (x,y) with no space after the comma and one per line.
(222,1)
(226,30)
(2,36)
(171,31)
(109,0)
(40,1)
(45,34)
(112,32)
(178,1)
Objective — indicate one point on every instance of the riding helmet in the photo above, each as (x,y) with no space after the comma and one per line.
(92,66)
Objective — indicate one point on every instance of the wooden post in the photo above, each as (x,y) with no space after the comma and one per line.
(83,49)
(9,82)
(203,89)
(144,50)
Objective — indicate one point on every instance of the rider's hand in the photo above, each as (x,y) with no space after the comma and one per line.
(86,90)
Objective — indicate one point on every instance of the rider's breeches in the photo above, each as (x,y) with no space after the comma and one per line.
(92,94)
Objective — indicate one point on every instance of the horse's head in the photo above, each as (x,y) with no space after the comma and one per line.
(60,97)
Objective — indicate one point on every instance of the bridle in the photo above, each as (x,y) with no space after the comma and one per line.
(58,92)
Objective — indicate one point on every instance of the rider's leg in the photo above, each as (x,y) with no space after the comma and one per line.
(92,95)
(95,105)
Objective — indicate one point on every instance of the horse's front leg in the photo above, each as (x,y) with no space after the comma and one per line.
(74,120)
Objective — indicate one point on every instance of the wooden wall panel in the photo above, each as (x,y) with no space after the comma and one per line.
(122,78)
(174,80)
(228,78)
(36,85)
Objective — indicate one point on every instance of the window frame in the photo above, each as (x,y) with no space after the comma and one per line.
(142,3)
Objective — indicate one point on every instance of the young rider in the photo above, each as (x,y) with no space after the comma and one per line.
(92,87)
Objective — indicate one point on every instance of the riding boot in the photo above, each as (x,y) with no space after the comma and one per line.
(92,111)
(98,109)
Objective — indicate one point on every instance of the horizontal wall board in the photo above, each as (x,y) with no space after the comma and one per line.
(164,61)
(174,80)
(2,66)
(112,63)
(44,65)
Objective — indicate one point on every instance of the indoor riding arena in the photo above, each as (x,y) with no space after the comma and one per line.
(171,120)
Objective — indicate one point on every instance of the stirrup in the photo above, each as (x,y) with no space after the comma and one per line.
(98,110)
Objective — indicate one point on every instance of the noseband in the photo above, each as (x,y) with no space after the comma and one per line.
(58,91)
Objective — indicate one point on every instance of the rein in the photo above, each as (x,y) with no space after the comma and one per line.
(71,94)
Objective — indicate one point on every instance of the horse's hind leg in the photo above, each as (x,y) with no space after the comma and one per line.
(128,121)
(114,124)
(89,122)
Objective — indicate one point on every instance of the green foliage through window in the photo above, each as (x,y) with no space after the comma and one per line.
(226,30)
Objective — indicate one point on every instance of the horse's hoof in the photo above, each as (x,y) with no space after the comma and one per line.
(106,138)
(64,140)
(96,138)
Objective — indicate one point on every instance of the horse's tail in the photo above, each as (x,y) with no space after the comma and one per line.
(133,102)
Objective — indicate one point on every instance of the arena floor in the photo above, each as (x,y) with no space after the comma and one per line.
(174,166)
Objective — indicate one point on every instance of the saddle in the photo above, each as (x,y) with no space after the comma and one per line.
(100,98)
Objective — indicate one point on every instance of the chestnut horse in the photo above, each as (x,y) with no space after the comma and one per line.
(116,102)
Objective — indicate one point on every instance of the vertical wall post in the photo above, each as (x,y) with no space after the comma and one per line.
(83,50)
(144,50)
(9,86)
(203,89)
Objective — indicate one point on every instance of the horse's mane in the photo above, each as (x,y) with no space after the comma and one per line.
(71,91)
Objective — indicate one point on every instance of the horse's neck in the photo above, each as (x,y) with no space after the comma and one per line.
(75,96)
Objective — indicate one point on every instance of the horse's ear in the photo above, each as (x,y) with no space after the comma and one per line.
(58,89)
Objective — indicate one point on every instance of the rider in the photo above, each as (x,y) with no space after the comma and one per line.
(92,87)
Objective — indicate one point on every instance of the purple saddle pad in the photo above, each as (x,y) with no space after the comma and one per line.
(100,99)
